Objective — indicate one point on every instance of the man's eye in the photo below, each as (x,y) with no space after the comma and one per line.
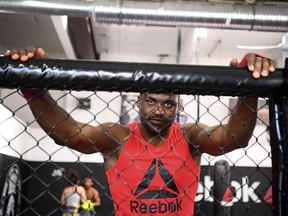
(168,105)
(150,102)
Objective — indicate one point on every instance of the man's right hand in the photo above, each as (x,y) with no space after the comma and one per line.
(26,54)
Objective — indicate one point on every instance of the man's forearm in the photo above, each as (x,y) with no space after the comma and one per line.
(52,117)
(243,120)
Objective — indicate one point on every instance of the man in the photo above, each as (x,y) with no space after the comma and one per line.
(152,166)
(93,195)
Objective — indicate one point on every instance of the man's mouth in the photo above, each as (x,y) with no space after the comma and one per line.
(156,121)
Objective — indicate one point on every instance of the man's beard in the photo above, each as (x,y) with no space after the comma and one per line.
(154,128)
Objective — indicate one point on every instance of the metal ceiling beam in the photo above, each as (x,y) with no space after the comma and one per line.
(81,35)
(258,17)
(63,37)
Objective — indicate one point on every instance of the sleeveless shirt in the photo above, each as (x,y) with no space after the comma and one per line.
(72,199)
(149,180)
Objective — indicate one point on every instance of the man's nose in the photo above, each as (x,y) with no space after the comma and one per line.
(159,109)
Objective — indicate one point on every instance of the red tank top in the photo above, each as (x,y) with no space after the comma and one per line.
(149,180)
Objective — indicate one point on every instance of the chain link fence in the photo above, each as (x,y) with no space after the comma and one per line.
(34,170)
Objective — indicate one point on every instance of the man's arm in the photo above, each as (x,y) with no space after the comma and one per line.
(97,200)
(64,130)
(60,126)
(237,132)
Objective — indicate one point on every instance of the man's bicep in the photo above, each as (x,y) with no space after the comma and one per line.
(107,137)
(196,135)
(90,139)
(209,139)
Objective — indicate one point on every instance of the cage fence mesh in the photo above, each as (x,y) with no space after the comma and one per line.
(34,170)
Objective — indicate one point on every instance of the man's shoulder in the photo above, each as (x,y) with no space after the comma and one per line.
(94,190)
(188,126)
(191,126)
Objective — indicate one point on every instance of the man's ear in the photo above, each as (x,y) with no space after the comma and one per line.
(138,101)
(180,108)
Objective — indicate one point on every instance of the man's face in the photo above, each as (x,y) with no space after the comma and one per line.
(88,183)
(157,111)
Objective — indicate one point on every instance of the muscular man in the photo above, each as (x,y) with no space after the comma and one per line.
(152,166)
(93,195)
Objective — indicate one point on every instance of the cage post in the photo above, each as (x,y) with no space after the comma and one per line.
(278,140)
(222,188)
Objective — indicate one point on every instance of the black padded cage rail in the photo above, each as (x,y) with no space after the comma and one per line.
(187,79)
(139,77)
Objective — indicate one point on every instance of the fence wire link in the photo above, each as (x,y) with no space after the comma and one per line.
(34,170)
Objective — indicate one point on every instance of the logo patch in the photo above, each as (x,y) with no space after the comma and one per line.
(156,170)
(161,185)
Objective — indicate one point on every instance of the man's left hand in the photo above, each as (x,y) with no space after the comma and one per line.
(257,64)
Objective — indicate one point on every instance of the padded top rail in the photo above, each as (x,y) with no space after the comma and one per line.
(92,75)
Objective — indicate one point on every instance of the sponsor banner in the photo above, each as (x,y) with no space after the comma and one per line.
(249,192)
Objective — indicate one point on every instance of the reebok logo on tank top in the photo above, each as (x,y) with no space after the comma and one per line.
(157,176)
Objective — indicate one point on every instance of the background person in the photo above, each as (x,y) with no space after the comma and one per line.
(73,195)
(93,195)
